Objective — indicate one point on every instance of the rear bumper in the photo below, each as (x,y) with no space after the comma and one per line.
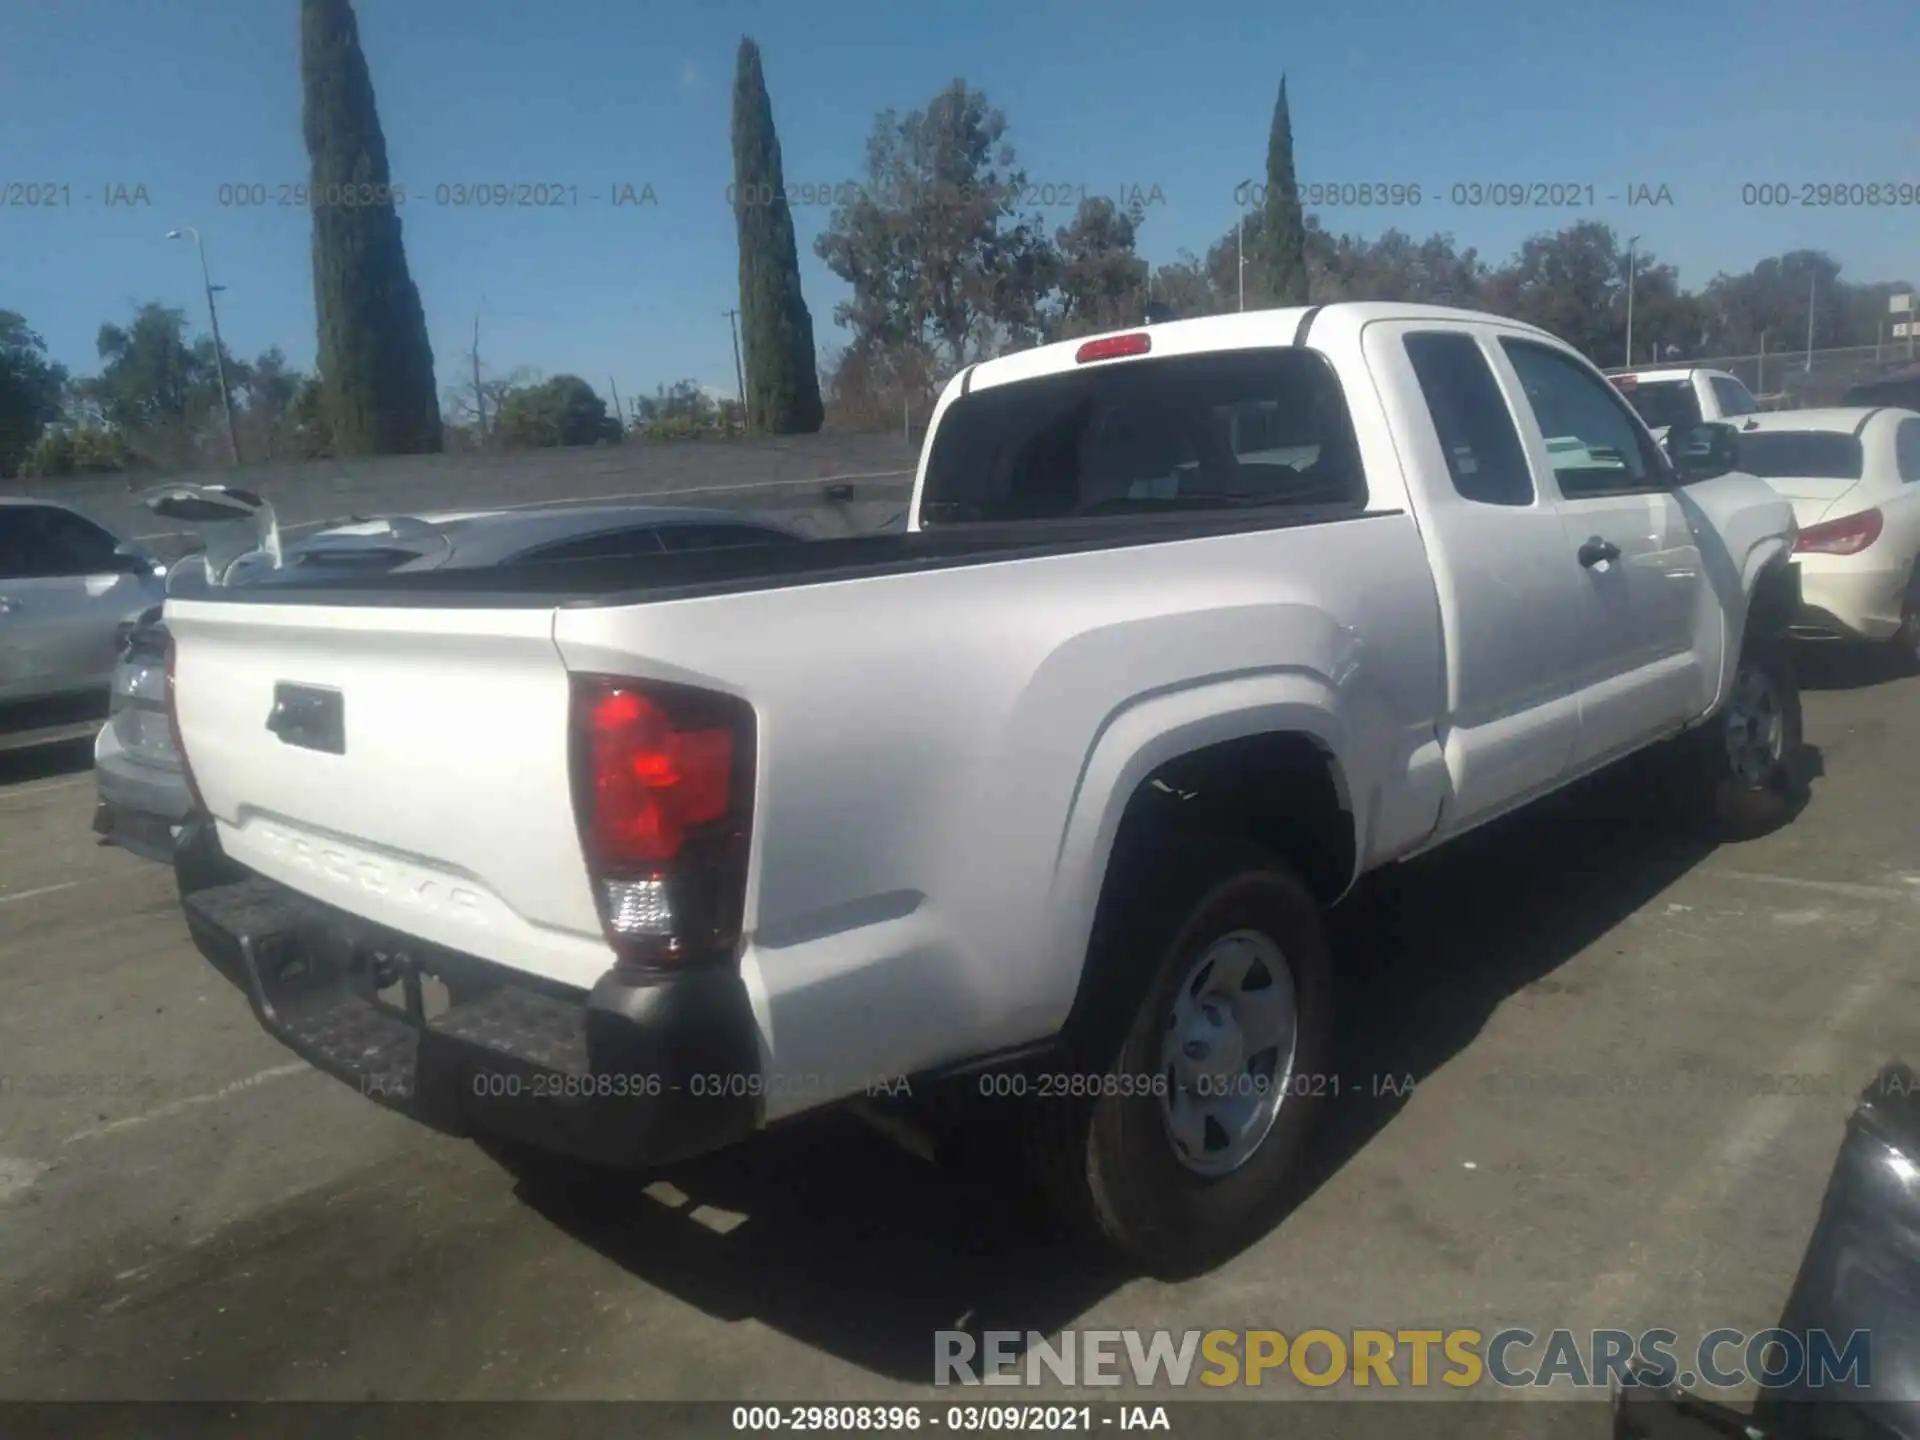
(632,1074)
(1844,600)
(141,807)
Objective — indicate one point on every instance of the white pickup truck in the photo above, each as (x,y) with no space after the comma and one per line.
(1683,396)
(629,857)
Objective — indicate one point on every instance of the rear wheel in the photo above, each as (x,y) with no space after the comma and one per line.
(1904,647)
(1180,1153)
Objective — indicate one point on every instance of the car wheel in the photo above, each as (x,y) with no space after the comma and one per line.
(1180,1152)
(1740,771)
(1905,644)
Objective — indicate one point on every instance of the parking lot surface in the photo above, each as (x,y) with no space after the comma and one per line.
(188,1212)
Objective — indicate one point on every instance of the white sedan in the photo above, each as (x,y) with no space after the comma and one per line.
(1853,476)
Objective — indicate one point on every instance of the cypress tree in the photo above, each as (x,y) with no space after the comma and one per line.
(1283,226)
(375,362)
(776,330)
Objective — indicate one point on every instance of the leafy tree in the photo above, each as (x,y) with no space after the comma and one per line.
(1101,283)
(374,356)
(938,256)
(157,388)
(152,377)
(1282,231)
(31,390)
(1567,283)
(306,433)
(776,329)
(562,411)
(1773,298)
(684,410)
(88,450)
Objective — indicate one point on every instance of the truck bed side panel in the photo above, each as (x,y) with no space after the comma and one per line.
(940,755)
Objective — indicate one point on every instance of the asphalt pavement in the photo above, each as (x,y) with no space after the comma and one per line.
(188,1212)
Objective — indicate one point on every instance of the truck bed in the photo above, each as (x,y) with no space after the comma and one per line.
(704,573)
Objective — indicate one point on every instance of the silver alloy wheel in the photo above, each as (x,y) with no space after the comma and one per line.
(1227,1055)
(1754,727)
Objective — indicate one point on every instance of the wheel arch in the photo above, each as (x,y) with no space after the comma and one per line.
(1273,777)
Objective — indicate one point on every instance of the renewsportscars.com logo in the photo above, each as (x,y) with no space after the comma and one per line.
(1513,1358)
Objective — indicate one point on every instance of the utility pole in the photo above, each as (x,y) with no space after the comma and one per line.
(739,375)
(219,350)
(618,413)
(1632,240)
(1240,252)
(479,395)
(1812,281)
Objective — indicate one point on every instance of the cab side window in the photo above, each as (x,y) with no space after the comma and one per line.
(1593,444)
(1732,396)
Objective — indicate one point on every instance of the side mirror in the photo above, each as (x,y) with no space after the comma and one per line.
(132,560)
(1703,452)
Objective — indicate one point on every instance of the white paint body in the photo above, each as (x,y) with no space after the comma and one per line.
(1721,397)
(1862,591)
(944,756)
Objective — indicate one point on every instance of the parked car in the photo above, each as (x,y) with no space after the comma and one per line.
(66,585)
(1853,476)
(1042,797)
(142,797)
(1684,396)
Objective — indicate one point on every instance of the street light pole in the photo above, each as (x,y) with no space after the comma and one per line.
(739,375)
(219,350)
(1632,240)
(1240,251)
(1812,281)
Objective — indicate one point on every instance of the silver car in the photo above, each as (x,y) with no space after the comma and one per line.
(143,800)
(67,585)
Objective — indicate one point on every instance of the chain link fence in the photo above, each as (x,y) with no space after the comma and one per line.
(1799,379)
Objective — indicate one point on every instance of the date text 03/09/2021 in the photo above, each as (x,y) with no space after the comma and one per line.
(962,1419)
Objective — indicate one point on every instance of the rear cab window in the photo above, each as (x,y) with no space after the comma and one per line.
(1661,403)
(1253,428)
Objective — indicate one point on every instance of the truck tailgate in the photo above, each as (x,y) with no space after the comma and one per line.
(423,782)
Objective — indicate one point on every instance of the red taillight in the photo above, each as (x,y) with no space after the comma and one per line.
(663,793)
(651,782)
(1625,382)
(1113,347)
(173,732)
(1848,535)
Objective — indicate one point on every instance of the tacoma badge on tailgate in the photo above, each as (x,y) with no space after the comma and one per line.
(310,717)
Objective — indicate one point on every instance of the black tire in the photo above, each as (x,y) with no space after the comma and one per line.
(1107,1163)
(1903,650)
(1718,801)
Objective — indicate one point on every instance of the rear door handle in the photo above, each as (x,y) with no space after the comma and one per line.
(1597,550)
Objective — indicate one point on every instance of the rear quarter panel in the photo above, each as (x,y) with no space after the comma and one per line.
(944,757)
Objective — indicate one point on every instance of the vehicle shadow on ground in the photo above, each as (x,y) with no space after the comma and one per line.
(850,1244)
(44,762)
(1829,666)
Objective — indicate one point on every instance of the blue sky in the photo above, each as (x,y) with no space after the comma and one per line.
(183,96)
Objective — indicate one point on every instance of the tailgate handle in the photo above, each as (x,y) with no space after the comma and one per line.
(310,717)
